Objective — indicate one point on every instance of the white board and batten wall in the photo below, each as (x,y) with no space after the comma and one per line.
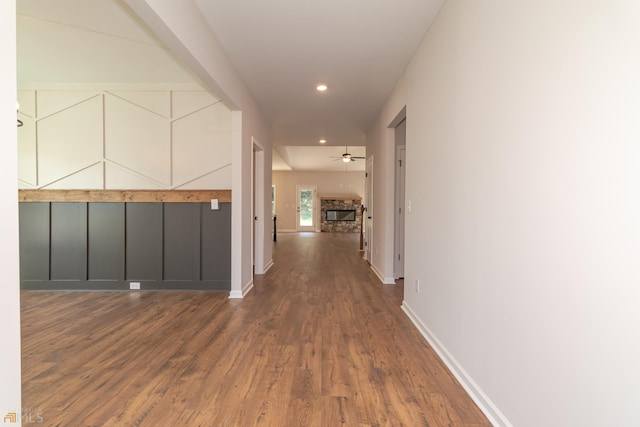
(123,137)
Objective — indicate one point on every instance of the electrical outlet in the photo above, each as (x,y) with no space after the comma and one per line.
(134,285)
(417,286)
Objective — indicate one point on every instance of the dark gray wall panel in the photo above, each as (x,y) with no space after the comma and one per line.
(34,241)
(216,243)
(182,241)
(106,241)
(105,246)
(68,241)
(144,241)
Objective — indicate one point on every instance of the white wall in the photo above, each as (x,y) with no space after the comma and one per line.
(124,137)
(181,26)
(328,183)
(523,147)
(10,399)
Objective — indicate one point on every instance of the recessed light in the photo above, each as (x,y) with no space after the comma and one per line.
(321,87)
(322,141)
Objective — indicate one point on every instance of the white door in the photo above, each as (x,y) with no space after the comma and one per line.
(400,212)
(257,207)
(306,207)
(368,214)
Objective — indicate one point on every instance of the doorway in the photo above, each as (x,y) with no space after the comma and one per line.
(398,260)
(397,136)
(368,221)
(257,207)
(306,207)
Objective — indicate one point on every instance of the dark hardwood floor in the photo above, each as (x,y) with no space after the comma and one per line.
(318,342)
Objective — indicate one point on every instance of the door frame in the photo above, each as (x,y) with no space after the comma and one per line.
(398,253)
(392,135)
(257,206)
(368,222)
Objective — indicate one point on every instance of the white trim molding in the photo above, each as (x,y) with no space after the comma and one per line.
(475,392)
(243,293)
(384,280)
(268,265)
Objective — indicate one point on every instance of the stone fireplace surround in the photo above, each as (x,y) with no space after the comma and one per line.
(340,203)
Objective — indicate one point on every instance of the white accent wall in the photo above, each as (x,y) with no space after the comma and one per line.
(523,147)
(124,137)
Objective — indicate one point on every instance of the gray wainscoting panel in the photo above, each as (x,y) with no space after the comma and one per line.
(182,241)
(108,245)
(68,241)
(144,241)
(216,243)
(34,241)
(106,241)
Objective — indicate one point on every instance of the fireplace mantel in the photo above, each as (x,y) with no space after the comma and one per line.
(341,197)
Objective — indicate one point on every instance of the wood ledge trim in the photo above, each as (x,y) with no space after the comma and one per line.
(340,198)
(192,196)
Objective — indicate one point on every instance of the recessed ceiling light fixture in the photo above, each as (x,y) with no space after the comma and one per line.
(322,141)
(321,87)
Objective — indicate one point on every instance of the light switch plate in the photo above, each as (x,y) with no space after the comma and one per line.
(214,204)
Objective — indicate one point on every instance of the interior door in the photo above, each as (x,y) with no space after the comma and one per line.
(306,207)
(257,207)
(399,210)
(368,214)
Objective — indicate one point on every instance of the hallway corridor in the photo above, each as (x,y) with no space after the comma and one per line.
(319,341)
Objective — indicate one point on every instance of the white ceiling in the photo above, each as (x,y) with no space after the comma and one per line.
(282,49)
(317,158)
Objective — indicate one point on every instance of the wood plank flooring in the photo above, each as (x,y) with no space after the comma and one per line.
(318,342)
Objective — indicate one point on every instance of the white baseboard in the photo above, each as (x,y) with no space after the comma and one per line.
(235,295)
(384,280)
(268,266)
(243,293)
(490,410)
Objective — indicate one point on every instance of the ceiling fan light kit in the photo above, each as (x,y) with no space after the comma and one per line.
(346,157)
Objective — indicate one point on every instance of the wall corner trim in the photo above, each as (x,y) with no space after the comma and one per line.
(384,280)
(268,266)
(236,295)
(489,409)
(242,293)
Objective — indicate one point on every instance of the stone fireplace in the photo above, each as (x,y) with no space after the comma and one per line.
(340,214)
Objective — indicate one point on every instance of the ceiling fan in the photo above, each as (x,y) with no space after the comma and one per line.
(346,157)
